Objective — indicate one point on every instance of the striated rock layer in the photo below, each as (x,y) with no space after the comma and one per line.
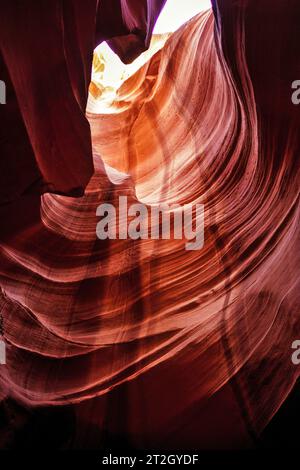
(167,347)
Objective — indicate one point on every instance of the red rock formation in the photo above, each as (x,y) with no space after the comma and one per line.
(164,346)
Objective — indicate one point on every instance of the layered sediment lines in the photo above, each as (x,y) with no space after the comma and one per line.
(193,346)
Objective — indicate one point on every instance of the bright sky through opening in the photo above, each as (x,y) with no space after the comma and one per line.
(109,72)
(177,12)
